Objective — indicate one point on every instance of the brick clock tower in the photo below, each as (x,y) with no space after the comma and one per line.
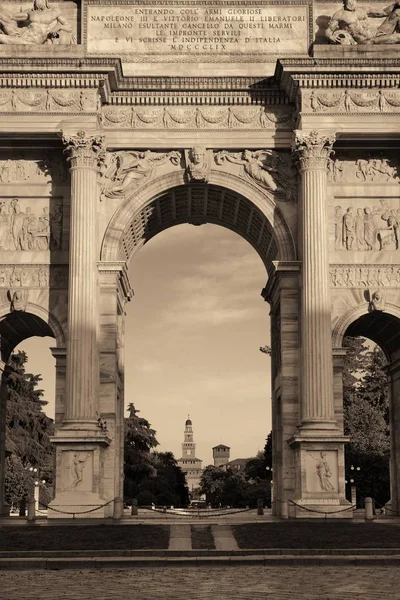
(189,464)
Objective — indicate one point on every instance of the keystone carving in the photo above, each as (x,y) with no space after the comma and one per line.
(84,150)
(377,301)
(312,149)
(128,170)
(18,300)
(269,169)
(198,164)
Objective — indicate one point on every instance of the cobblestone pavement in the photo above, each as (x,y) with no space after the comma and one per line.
(202,583)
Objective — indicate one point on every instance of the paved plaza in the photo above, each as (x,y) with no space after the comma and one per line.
(204,583)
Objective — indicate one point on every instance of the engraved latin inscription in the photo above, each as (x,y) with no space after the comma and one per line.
(192,28)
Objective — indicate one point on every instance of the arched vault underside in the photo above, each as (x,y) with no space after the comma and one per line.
(381,327)
(199,204)
(18,326)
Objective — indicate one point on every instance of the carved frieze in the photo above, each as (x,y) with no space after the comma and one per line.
(33,276)
(50,100)
(382,101)
(22,228)
(367,229)
(369,169)
(269,169)
(124,171)
(181,117)
(364,276)
(16,168)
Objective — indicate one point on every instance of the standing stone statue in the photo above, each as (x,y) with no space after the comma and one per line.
(324,473)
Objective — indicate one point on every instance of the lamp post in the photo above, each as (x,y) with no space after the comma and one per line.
(270,470)
(36,485)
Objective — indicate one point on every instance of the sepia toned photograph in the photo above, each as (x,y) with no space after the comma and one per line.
(199,299)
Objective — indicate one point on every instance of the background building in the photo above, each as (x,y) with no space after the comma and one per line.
(189,464)
(221,455)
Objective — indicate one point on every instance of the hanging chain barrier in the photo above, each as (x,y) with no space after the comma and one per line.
(322,512)
(205,514)
(73,513)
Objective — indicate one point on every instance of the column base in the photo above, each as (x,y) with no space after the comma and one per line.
(79,505)
(313,427)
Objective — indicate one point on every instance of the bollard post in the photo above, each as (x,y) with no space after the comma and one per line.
(260,506)
(31,508)
(118,508)
(164,509)
(134,507)
(284,509)
(369,511)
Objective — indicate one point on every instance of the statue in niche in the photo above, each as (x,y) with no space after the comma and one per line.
(198,164)
(17,220)
(338,219)
(79,461)
(350,25)
(18,300)
(377,301)
(39,25)
(267,168)
(56,227)
(324,473)
(349,228)
(129,169)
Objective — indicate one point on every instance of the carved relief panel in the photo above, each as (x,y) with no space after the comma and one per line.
(77,469)
(322,471)
(30,224)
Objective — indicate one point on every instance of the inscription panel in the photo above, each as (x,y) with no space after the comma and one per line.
(175,28)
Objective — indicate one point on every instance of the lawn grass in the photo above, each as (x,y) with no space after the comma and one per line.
(317,534)
(202,538)
(83,537)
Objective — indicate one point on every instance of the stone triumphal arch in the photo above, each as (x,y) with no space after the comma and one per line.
(278,120)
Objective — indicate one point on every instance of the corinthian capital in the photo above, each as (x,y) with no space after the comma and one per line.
(84,150)
(313,149)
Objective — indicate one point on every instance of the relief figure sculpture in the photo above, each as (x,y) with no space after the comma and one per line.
(78,464)
(349,228)
(130,169)
(267,168)
(350,25)
(324,473)
(39,25)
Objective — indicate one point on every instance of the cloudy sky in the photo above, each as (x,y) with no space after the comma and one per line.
(193,334)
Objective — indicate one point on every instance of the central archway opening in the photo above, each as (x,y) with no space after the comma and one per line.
(197,322)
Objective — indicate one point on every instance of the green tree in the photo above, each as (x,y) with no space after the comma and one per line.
(139,440)
(18,483)
(28,428)
(366,413)
(167,486)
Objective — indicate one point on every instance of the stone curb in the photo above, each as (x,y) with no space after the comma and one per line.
(194,554)
(132,562)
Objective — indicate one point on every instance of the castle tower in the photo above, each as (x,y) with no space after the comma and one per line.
(189,464)
(221,455)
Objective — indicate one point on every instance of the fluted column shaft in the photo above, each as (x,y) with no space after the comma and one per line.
(317,400)
(82,361)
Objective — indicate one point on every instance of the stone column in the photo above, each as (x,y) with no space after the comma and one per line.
(317,406)
(84,154)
